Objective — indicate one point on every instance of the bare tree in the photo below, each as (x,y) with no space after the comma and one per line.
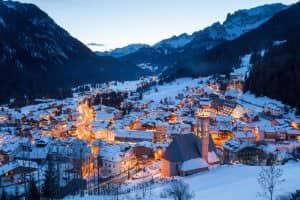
(269,179)
(179,190)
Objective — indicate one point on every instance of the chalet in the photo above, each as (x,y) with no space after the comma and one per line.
(15,171)
(10,148)
(178,129)
(273,133)
(133,135)
(250,116)
(210,92)
(273,109)
(143,151)
(4,157)
(270,134)
(231,94)
(139,106)
(205,103)
(293,134)
(116,159)
(185,156)
(34,153)
(224,106)
(105,114)
(239,112)
(252,155)
(244,135)
(279,122)
(103,131)
(224,123)
(295,123)
(160,134)
(235,150)
(3,117)
(236,76)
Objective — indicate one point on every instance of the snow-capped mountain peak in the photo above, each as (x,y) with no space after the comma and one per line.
(243,21)
(174,42)
(235,25)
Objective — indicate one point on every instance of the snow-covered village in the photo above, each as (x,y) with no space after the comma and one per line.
(152,100)
(132,139)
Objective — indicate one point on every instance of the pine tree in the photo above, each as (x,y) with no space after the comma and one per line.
(3,195)
(50,185)
(33,190)
(296,195)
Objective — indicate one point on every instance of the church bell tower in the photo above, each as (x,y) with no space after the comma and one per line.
(202,132)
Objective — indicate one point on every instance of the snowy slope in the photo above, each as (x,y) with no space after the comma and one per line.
(233,182)
(171,90)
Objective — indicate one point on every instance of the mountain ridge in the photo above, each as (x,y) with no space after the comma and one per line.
(39,59)
(165,53)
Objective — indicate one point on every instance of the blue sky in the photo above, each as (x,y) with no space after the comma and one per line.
(116,23)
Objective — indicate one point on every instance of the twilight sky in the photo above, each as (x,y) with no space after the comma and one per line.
(116,23)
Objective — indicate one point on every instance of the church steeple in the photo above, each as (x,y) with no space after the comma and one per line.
(202,131)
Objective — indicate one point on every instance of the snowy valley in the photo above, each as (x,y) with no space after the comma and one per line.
(214,114)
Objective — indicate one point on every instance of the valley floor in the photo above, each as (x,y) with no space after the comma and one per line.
(229,182)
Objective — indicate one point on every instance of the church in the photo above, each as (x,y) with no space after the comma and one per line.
(190,153)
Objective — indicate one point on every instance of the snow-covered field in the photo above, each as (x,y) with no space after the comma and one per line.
(234,182)
(171,89)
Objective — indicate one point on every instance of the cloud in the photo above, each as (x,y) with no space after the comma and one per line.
(96,44)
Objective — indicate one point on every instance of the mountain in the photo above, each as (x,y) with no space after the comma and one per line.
(235,25)
(174,42)
(276,72)
(40,59)
(165,54)
(274,47)
(123,51)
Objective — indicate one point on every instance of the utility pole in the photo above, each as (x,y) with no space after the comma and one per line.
(80,172)
(58,174)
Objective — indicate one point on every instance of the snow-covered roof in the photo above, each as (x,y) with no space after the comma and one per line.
(235,144)
(147,135)
(212,157)
(192,164)
(15,164)
(102,115)
(114,153)
(235,93)
(243,134)
(221,118)
(293,132)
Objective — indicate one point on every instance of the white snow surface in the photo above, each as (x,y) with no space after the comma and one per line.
(10,4)
(229,182)
(148,66)
(212,157)
(170,90)
(279,42)
(125,86)
(2,22)
(245,66)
